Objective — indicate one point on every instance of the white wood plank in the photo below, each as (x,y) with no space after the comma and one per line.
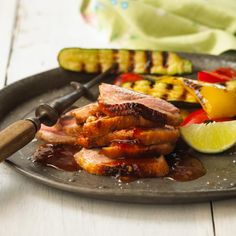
(43,28)
(28,208)
(225,217)
(7,19)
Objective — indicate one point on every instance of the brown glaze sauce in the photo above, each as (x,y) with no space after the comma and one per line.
(57,156)
(126,179)
(183,165)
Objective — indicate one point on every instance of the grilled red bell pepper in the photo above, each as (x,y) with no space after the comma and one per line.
(219,75)
(200,116)
(127,77)
(227,71)
(212,77)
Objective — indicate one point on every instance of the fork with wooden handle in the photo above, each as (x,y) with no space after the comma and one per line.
(20,133)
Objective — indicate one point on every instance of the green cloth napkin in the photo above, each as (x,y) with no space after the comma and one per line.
(203,26)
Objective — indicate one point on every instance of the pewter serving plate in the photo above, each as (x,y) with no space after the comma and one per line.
(19,100)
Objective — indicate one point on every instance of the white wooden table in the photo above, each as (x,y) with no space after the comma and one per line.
(31,33)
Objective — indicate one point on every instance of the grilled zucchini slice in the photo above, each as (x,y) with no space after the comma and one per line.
(137,61)
(168,88)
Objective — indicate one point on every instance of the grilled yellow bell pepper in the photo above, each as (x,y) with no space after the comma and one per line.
(218,102)
(216,99)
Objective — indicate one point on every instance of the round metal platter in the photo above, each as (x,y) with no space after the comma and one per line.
(18,101)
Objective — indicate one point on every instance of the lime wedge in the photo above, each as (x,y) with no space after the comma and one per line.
(210,138)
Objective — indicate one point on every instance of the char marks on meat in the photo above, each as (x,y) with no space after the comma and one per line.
(96,163)
(114,100)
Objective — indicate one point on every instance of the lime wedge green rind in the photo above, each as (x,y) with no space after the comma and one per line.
(213,137)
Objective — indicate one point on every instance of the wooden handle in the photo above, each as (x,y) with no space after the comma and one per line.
(16,136)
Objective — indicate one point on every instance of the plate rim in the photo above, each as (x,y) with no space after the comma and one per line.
(151,197)
(121,195)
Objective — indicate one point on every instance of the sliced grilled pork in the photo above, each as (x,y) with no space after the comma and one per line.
(108,124)
(64,132)
(128,148)
(81,114)
(116,101)
(144,136)
(70,126)
(55,135)
(92,161)
(105,140)
(159,135)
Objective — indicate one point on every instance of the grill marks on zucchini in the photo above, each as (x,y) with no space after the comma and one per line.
(137,61)
(149,64)
(164,90)
(165,56)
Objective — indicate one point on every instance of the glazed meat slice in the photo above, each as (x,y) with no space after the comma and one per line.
(81,114)
(144,136)
(159,135)
(72,130)
(64,132)
(108,124)
(92,161)
(128,149)
(105,140)
(55,135)
(70,126)
(116,101)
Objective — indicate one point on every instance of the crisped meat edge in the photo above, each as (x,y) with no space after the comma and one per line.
(144,136)
(114,101)
(127,149)
(81,114)
(95,163)
(107,125)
